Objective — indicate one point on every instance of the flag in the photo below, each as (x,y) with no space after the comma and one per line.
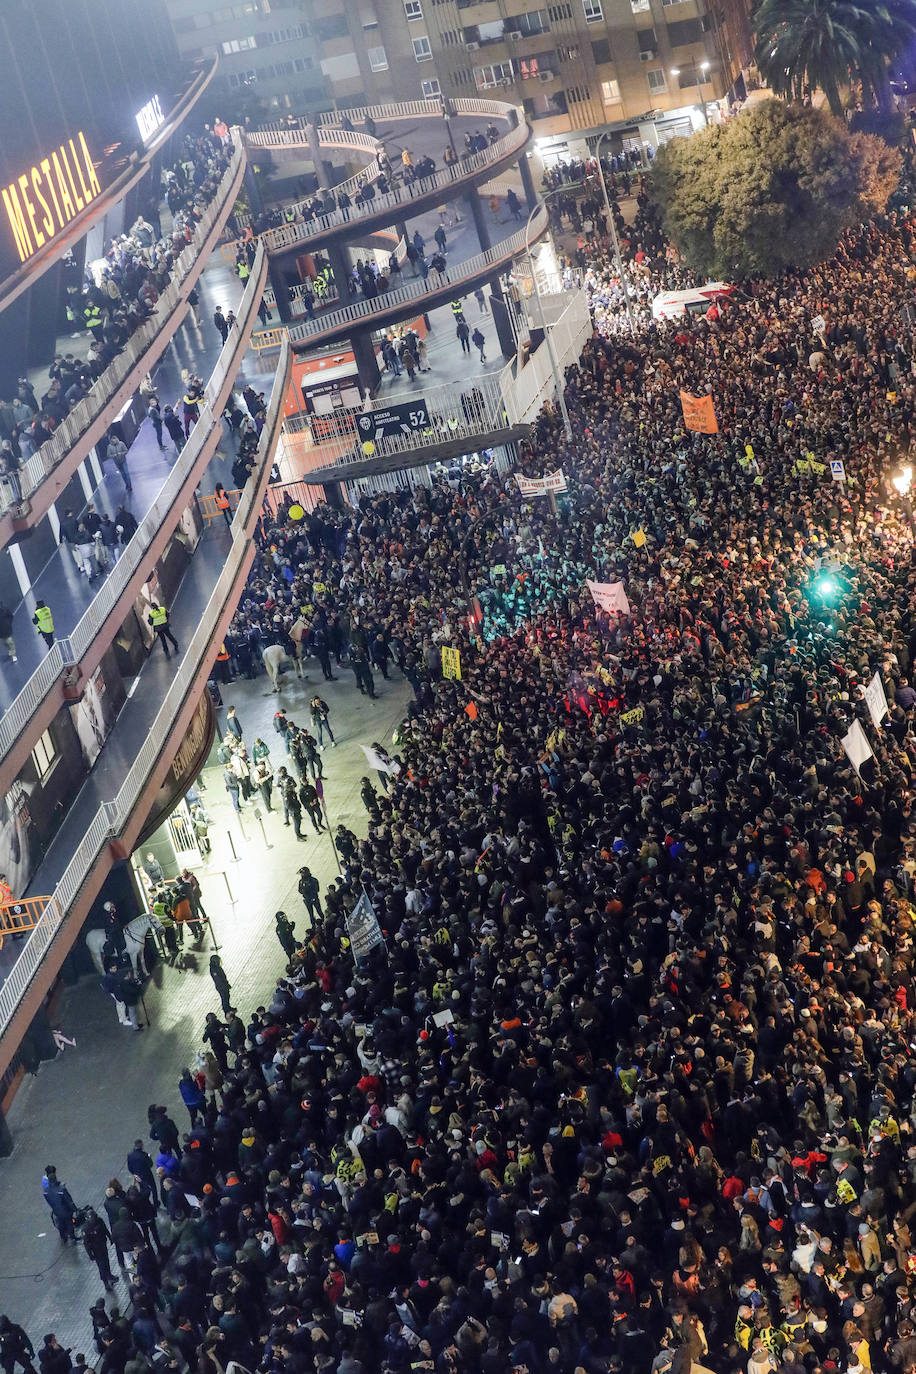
(699,413)
(363,929)
(876,701)
(639,538)
(609,596)
(471,710)
(858,750)
(381,765)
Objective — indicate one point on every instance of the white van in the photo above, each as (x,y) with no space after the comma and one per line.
(669,305)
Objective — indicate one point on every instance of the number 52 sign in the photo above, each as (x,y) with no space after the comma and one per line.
(388,420)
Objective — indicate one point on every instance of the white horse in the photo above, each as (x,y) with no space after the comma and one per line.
(274,656)
(135,933)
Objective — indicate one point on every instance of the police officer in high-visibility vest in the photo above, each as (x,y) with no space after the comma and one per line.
(43,621)
(458,310)
(159,619)
(242,268)
(92,318)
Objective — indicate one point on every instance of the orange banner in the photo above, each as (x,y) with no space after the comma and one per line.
(699,413)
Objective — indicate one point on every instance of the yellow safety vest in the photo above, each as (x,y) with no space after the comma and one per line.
(244,271)
(158,616)
(44,620)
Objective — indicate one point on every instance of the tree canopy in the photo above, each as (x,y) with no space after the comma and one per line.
(769,190)
(827,44)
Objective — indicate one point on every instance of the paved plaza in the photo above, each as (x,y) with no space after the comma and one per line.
(84,1110)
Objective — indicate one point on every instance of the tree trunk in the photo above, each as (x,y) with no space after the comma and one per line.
(832,92)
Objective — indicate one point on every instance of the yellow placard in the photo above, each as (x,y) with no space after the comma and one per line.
(296,512)
(451,663)
(802,466)
(748,450)
(633,717)
(639,538)
(368,448)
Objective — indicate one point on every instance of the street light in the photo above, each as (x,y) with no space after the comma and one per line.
(554,364)
(614,239)
(699,81)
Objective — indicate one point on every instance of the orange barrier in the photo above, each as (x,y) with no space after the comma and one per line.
(210,510)
(18,918)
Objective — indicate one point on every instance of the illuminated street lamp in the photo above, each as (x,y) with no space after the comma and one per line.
(700,70)
(902,483)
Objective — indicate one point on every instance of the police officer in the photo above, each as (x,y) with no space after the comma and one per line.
(43,621)
(159,620)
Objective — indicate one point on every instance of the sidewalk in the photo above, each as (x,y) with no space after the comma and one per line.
(85,1109)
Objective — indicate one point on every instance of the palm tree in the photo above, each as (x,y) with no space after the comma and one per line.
(805,44)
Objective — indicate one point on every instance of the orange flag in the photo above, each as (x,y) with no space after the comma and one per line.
(471,710)
(699,413)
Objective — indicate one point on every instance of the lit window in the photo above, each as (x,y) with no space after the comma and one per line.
(44,755)
(378,62)
(656,80)
(431,89)
(413,9)
(610,92)
(421,49)
(593,11)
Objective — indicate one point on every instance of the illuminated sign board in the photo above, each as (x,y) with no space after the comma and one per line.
(150,118)
(44,199)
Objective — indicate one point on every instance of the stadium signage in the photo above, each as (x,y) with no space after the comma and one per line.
(150,118)
(41,202)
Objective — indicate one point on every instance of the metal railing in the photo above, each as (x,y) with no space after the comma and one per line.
(69,650)
(112,817)
(399,200)
(297,295)
(43,462)
(453,277)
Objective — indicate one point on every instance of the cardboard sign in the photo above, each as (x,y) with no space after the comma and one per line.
(699,414)
(451,663)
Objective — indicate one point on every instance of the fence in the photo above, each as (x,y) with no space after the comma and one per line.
(86,412)
(527,389)
(112,817)
(17,918)
(69,650)
(455,278)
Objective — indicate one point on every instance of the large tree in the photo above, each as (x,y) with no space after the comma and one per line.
(827,44)
(770,190)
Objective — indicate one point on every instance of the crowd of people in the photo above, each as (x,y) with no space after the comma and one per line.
(113,305)
(628,1083)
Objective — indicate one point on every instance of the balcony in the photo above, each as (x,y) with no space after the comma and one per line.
(109,812)
(44,475)
(75,655)
(416,297)
(383,210)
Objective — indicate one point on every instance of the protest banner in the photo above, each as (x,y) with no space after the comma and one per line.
(858,750)
(699,414)
(451,662)
(876,701)
(609,596)
(363,929)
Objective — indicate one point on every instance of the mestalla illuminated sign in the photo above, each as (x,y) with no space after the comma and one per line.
(150,118)
(51,193)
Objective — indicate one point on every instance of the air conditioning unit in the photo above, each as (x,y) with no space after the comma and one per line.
(515,36)
(505,80)
(472,47)
(545,76)
(648,56)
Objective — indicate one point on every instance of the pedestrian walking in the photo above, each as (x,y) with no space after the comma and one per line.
(96,1239)
(464,335)
(140,1166)
(43,621)
(222,327)
(117,452)
(233,724)
(221,983)
(129,992)
(311,803)
(481,300)
(479,341)
(319,711)
(6,629)
(63,1208)
(264,781)
(158,618)
(292,807)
